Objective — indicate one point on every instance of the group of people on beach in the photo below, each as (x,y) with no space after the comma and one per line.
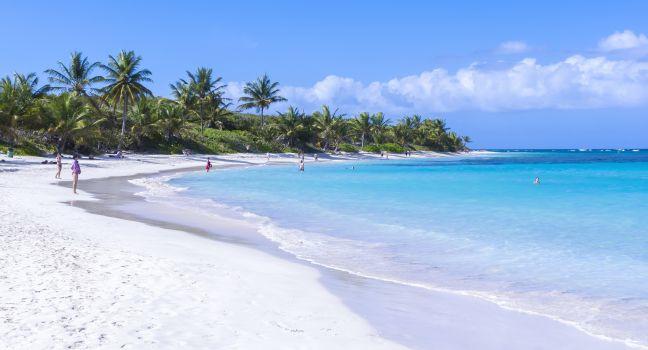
(76,170)
(300,155)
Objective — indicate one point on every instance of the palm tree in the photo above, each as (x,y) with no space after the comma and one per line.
(402,133)
(362,125)
(76,76)
(260,94)
(18,96)
(125,83)
(455,142)
(328,125)
(290,125)
(378,127)
(182,93)
(70,119)
(201,93)
(216,116)
(143,120)
(466,140)
(434,134)
(170,119)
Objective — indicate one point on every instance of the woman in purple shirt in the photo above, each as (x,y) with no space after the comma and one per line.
(76,170)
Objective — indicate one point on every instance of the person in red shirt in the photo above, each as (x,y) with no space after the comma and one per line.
(209,165)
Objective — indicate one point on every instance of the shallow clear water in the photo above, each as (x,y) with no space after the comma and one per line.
(574,247)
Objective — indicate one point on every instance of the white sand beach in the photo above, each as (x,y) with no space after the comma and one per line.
(73,279)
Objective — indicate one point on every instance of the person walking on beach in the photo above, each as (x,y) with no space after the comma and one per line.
(59,165)
(76,170)
(209,165)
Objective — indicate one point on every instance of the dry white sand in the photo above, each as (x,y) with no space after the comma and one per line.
(70,279)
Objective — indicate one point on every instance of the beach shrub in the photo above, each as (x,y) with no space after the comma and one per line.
(373,148)
(229,141)
(387,147)
(29,147)
(392,148)
(347,147)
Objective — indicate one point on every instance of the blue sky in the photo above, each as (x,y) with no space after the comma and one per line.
(541,74)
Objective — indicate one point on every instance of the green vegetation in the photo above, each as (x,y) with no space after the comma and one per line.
(83,111)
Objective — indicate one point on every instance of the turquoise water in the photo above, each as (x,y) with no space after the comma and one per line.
(574,247)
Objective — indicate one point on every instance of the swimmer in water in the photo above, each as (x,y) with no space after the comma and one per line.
(536,181)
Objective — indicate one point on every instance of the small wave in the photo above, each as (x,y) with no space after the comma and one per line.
(157,186)
(309,246)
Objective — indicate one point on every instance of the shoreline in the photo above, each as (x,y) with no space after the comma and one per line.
(82,280)
(353,290)
(340,274)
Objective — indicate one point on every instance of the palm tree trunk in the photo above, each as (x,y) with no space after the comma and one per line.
(262,120)
(362,140)
(123,128)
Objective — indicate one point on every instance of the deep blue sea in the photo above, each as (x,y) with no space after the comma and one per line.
(574,247)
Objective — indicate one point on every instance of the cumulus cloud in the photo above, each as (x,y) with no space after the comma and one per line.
(513,47)
(577,82)
(625,40)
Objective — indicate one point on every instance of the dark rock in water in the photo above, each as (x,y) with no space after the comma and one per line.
(44,162)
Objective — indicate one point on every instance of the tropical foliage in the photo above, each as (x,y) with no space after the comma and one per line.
(84,111)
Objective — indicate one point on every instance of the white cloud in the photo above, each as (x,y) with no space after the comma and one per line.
(625,40)
(574,83)
(513,47)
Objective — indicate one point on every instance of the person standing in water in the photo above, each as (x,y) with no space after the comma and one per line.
(209,165)
(76,170)
(301,165)
(536,181)
(59,165)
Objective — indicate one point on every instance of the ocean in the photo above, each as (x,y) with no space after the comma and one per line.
(573,247)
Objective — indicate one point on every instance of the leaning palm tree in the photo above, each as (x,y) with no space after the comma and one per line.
(125,83)
(362,126)
(260,94)
(76,76)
